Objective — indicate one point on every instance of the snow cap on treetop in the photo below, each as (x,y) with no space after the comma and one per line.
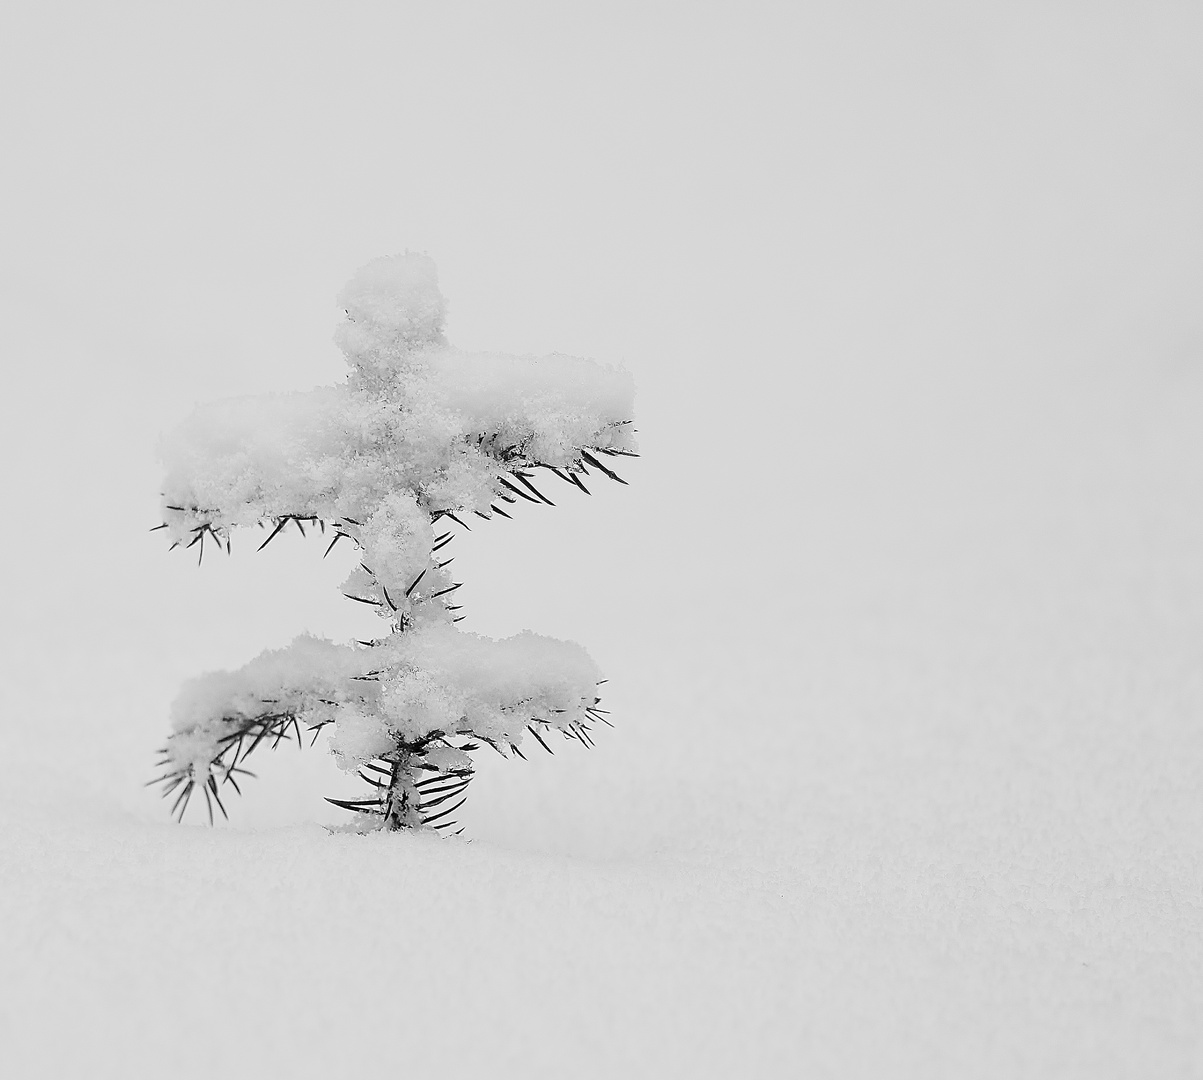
(393,307)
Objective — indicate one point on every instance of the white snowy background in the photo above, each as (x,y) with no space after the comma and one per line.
(902,612)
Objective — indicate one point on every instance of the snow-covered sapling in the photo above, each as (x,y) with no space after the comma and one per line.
(420,436)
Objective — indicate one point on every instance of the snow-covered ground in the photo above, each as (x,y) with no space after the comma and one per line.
(902,611)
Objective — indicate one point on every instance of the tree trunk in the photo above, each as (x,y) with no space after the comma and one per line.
(403,799)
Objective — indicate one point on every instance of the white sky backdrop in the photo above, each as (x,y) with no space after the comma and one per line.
(902,611)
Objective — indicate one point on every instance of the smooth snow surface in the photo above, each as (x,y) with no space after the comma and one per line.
(902,611)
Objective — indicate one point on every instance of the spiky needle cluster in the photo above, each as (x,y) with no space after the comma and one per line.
(420,434)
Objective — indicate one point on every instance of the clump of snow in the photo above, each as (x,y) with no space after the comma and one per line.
(294,678)
(393,307)
(358,737)
(549,406)
(552,675)
(404,572)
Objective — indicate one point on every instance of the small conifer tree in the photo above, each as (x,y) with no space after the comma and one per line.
(419,437)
